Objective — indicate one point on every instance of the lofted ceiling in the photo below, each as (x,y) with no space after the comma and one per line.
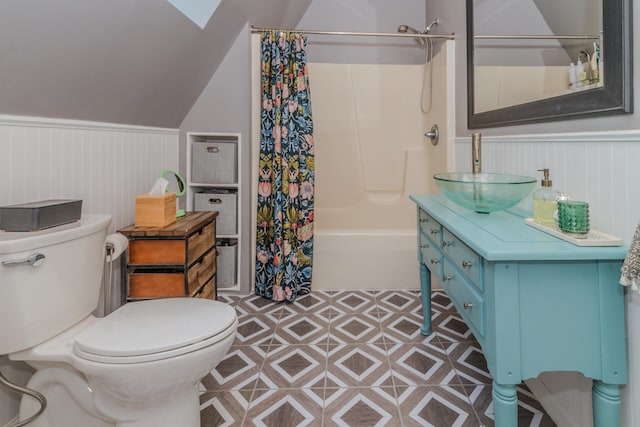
(199,11)
(138,62)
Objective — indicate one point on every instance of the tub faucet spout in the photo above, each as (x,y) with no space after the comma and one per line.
(476,152)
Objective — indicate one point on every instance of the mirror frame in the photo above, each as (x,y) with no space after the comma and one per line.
(615,97)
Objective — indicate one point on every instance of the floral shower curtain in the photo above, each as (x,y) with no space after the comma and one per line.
(286,181)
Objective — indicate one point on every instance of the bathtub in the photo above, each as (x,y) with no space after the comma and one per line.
(371,154)
(365,259)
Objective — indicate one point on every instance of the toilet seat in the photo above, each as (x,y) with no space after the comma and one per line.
(145,331)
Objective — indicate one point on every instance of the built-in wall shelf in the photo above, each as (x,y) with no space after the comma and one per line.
(213,184)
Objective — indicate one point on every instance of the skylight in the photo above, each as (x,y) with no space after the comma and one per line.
(199,11)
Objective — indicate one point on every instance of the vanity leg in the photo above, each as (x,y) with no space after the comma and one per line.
(425,289)
(505,405)
(606,404)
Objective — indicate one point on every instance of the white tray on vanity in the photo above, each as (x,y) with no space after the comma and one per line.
(593,238)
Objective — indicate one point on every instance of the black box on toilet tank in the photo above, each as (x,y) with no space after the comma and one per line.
(38,215)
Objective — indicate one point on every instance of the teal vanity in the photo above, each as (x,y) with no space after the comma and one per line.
(534,302)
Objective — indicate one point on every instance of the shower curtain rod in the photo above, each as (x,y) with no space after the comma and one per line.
(356,33)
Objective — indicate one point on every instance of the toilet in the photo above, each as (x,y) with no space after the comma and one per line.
(139,366)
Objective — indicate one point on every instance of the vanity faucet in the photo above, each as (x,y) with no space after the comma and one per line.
(476,152)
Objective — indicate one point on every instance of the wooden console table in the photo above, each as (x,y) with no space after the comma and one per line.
(534,302)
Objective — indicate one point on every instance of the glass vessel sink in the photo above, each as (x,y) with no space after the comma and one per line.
(484,192)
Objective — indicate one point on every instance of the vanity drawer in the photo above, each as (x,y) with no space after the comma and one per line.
(470,304)
(430,227)
(463,257)
(431,255)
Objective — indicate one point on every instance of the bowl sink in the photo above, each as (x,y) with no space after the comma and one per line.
(484,192)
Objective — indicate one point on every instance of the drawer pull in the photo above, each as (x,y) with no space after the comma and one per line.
(446,278)
(422,220)
(467,305)
(213,149)
(445,244)
(434,231)
(215,201)
(422,246)
(434,261)
(466,264)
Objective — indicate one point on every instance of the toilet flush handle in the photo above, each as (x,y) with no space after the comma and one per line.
(35,260)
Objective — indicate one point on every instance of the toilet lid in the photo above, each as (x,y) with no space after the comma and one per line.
(154,326)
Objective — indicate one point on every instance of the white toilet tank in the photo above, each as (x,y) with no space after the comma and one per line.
(59,287)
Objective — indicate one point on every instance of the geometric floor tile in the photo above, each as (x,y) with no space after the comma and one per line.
(313,302)
(420,364)
(356,328)
(302,329)
(403,327)
(357,365)
(440,301)
(255,329)
(469,363)
(353,358)
(450,327)
(223,408)
(371,406)
(436,406)
(398,301)
(295,366)
(239,370)
(354,301)
(295,407)
(254,304)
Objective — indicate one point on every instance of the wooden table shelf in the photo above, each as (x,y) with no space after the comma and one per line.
(178,260)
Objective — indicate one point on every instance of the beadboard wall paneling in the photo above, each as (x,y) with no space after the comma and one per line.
(106,165)
(599,168)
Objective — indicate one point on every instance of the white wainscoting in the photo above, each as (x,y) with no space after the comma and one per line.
(603,169)
(106,165)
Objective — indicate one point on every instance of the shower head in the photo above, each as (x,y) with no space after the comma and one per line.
(409,29)
(406,29)
(435,22)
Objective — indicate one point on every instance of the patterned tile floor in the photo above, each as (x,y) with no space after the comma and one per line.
(353,358)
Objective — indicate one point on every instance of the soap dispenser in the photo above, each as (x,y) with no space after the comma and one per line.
(581,74)
(545,202)
(573,77)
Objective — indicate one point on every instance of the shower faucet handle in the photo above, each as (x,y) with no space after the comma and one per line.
(433,134)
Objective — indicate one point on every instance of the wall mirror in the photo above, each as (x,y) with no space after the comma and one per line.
(519,54)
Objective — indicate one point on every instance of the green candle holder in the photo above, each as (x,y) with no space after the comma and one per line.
(573,217)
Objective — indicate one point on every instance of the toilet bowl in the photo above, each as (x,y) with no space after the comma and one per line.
(143,364)
(140,366)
